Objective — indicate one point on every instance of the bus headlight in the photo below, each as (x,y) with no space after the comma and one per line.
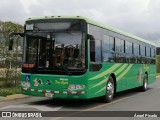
(76,87)
(25,84)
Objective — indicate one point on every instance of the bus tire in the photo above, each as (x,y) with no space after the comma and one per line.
(145,83)
(110,90)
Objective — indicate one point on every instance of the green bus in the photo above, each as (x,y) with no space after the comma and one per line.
(78,58)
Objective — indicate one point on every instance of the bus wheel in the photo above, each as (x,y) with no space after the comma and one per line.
(145,83)
(110,90)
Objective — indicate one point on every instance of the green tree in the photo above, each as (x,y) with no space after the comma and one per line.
(158,63)
(9,58)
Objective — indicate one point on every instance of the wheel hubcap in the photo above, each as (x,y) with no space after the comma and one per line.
(145,84)
(110,89)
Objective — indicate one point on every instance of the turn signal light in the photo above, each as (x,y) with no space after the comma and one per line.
(28,65)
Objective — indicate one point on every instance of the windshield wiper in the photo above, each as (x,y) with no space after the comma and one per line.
(65,68)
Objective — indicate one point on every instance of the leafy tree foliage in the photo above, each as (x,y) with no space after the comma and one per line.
(9,64)
(158,63)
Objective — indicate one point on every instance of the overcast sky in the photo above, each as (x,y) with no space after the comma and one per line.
(139,17)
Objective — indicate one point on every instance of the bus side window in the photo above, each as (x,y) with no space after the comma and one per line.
(153,60)
(95,55)
(98,51)
(95,51)
(108,49)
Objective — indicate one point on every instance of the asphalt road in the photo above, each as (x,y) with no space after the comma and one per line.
(131,100)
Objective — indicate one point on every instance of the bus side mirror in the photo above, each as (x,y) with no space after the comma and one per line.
(11,39)
(11,43)
(90,37)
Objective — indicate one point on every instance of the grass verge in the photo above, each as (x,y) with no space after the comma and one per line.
(9,91)
(157,74)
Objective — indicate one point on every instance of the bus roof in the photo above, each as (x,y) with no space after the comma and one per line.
(95,23)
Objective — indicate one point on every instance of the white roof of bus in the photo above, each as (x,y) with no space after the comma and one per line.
(97,24)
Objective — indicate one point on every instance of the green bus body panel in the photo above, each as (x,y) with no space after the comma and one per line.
(128,76)
(58,83)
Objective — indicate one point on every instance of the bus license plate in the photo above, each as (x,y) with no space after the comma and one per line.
(49,95)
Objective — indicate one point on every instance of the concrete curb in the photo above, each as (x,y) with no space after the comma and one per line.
(12,97)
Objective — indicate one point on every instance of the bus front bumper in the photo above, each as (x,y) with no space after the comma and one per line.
(55,94)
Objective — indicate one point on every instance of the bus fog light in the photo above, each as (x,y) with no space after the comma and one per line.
(25,84)
(72,87)
(80,87)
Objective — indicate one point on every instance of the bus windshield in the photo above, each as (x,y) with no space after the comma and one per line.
(58,48)
(62,51)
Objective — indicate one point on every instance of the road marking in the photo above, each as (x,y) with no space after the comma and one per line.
(39,107)
(89,109)
(115,101)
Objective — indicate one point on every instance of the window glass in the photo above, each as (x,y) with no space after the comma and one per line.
(142,50)
(98,51)
(152,52)
(96,32)
(106,43)
(136,49)
(111,43)
(122,46)
(95,55)
(128,47)
(148,51)
(108,57)
(153,60)
(118,45)
(108,48)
